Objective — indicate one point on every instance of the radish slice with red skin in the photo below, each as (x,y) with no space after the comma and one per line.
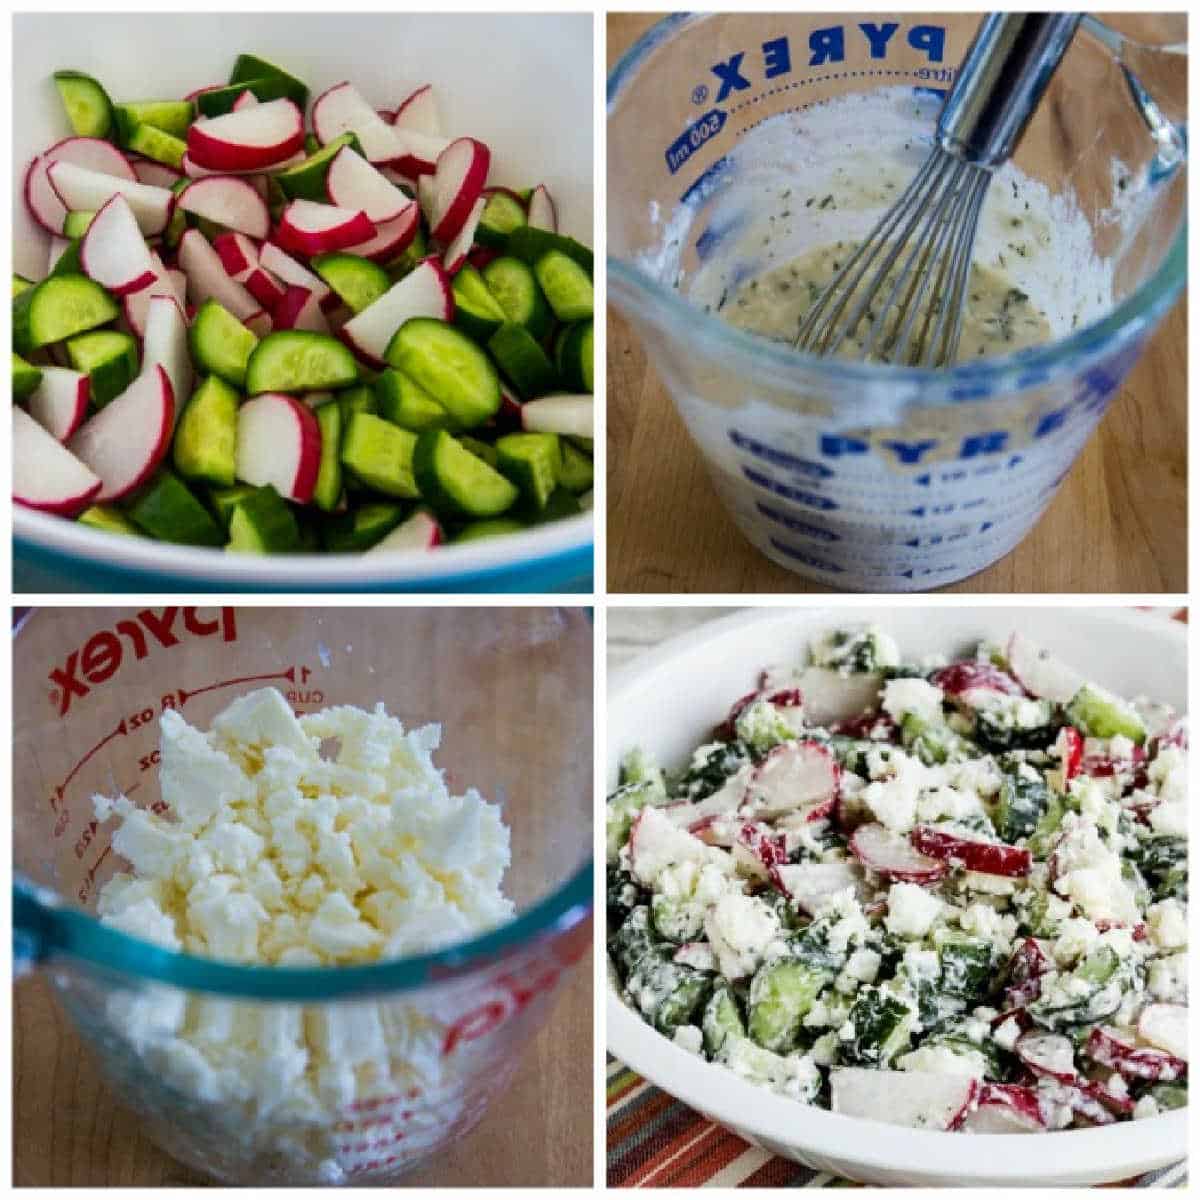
(398,178)
(250,140)
(1069,745)
(246,100)
(391,238)
(156,174)
(193,170)
(986,858)
(46,475)
(1006,1108)
(351,182)
(542,213)
(267,290)
(279,443)
(387,115)
(238,254)
(458,182)
(417,153)
(961,677)
(828,695)
(136,306)
(890,855)
(423,292)
(917,1099)
(1165,1026)
(96,155)
(1116,1049)
(342,109)
(298,308)
(419,113)
(208,87)
(812,884)
(228,201)
(128,438)
(308,228)
(1047,1054)
(457,251)
(425,197)
(60,401)
(571,416)
(1040,673)
(259,323)
(421,531)
(83,190)
(509,415)
(113,252)
(166,344)
(207,278)
(794,776)
(284,267)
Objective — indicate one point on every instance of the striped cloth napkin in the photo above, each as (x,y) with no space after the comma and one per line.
(656,1141)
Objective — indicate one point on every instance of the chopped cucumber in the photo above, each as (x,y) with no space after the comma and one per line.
(167,510)
(781,995)
(21,284)
(574,354)
(1097,714)
(206,438)
(294,360)
(480,449)
(576,472)
(405,403)
(262,523)
(108,519)
(449,366)
(170,116)
(453,480)
(501,215)
(568,287)
(151,142)
(491,527)
(721,1020)
(416,250)
(220,101)
(25,377)
(108,358)
(87,105)
(533,461)
(328,490)
(518,294)
(357,281)
(356,399)
(224,500)
(361,527)
(249,68)
(523,361)
(221,344)
(560,504)
(68,261)
(476,310)
(380,455)
(76,224)
(58,308)
(530,244)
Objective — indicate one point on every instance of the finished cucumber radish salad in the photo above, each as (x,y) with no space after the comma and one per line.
(951,896)
(276,335)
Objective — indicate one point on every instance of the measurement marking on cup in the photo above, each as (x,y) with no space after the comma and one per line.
(186,695)
(59,792)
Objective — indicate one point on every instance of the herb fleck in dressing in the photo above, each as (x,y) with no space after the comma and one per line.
(998,318)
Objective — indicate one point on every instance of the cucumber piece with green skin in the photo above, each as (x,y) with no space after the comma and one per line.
(492,527)
(328,490)
(781,996)
(453,480)
(306,180)
(221,100)
(108,519)
(577,471)
(76,224)
(405,403)
(560,504)
(25,377)
(380,455)
(416,250)
(295,360)
(476,311)
(58,308)
(478,448)
(108,358)
(21,284)
(566,285)
(574,354)
(87,105)
(221,344)
(149,142)
(169,116)
(361,527)
(721,1020)
(529,244)
(1097,714)
(357,281)
(249,68)
(449,366)
(533,461)
(206,438)
(69,261)
(502,214)
(523,361)
(311,145)
(262,523)
(516,289)
(225,499)
(356,399)
(168,512)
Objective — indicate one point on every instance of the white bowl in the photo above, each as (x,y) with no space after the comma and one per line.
(521,83)
(669,700)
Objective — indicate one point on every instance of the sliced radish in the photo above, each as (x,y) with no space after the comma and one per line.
(830,696)
(1165,1026)
(812,884)
(127,439)
(1069,745)
(238,254)
(417,153)
(264,287)
(457,251)
(60,401)
(1047,1054)
(426,197)
(421,531)
(401,180)
(193,170)
(283,266)
(84,190)
(156,174)
(46,475)
(298,308)
(1119,1050)
(249,140)
(917,1099)
(207,278)
(1040,673)
(279,443)
(1006,1108)
(724,802)
(509,415)
(391,238)
(166,283)
(228,201)
(419,113)
(962,677)
(259,323)
(1175,734)
(542,213)
(353,183)
(424,292)
(794,776)
(309,228)
(988,858)
(43,202)
(208,87)
(570,416)
(166,344)
(246,100)
(458,182)
(342,109)
(890,855)
(113,251)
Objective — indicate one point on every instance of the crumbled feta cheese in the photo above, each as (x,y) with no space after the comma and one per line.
(1168,818)
(1147,1106)
(984,921)
(1166,979)
(943,1060)
(1006,1033)
(1167,923)
(923,700)
(740,929)
(1077,936)
(689,1038)
(911,910)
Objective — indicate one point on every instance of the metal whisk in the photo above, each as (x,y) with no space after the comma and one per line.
(908,279)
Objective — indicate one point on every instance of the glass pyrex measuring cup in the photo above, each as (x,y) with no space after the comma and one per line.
(863,476)
(363,1071)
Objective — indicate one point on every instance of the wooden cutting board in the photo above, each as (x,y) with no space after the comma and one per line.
(1118,524)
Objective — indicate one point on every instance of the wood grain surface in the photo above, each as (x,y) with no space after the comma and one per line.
(1118,524)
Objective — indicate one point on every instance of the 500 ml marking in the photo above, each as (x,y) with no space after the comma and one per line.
(695,136)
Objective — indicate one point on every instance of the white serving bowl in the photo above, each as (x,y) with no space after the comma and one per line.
(669,700)
(520,83)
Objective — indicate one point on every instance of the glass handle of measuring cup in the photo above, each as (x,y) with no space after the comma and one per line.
(33,916)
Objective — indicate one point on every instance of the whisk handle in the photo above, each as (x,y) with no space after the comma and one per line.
(1006,69)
